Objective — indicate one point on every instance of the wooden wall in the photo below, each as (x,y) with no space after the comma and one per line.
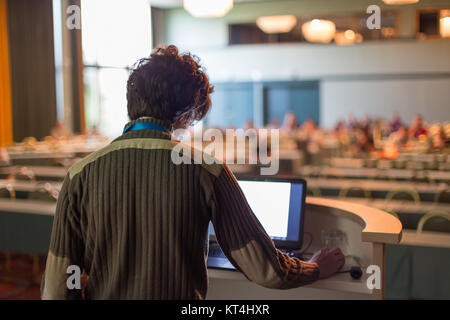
(32,64)
(5,88)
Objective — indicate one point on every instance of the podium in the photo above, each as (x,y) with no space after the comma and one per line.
(366,231)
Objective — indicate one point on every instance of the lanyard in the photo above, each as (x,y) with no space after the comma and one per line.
(145,125)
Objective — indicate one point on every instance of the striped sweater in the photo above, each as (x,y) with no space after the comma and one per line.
(137,225)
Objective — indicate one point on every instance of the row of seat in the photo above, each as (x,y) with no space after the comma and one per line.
(433,221)
(398,194)
(42,193)
(432,162)
(417,176)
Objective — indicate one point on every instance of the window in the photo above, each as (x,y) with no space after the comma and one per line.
(115,34)
(249,33)
(430,23)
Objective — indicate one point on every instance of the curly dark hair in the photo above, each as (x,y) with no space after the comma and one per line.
(169,86)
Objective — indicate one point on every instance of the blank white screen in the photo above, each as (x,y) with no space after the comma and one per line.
(269,201)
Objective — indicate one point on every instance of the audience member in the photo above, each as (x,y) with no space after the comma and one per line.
(290,123)
(60,130)
(395,122)
(417,128)
(4,157)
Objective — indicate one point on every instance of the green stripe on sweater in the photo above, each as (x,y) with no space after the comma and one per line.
(142,143)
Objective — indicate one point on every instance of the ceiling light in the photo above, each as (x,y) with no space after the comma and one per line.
(319,30)
(444,27)
(276,24)
(395,2)
(349,34)
(208,8)
(347,37)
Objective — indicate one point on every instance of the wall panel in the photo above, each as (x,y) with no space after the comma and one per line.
(32,67)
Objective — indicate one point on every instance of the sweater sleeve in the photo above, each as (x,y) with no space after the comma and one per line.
(66,248)
(246,244)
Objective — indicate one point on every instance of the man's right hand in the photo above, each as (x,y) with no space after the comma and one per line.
(329,262)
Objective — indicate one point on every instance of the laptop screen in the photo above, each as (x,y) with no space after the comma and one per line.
(277,203)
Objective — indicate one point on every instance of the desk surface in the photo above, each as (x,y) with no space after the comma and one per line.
(378,226)
(322,183)
(375,185)
(47,171)
(20,185)
(401,206)
(403,156)
(371,173)
(28,206)
(66,149)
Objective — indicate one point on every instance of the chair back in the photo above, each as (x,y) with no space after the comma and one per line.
(8,192)
(403,194)
(435,221)
(23,173)
(43,192)
(443,196)
(313,191)
(354,192)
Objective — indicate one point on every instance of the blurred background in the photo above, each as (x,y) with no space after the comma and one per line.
(359,90)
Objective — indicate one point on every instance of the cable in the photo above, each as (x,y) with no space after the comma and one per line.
(355,272)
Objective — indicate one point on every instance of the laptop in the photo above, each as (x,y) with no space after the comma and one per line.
(279,204)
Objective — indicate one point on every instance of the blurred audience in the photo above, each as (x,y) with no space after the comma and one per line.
(4,157)
(438,138)
(395,122)
(248,125)
(290,123)
(417,128)
(363,136)
(399,137)
(350,137)
(362,144)
(274,124)
(60,130)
